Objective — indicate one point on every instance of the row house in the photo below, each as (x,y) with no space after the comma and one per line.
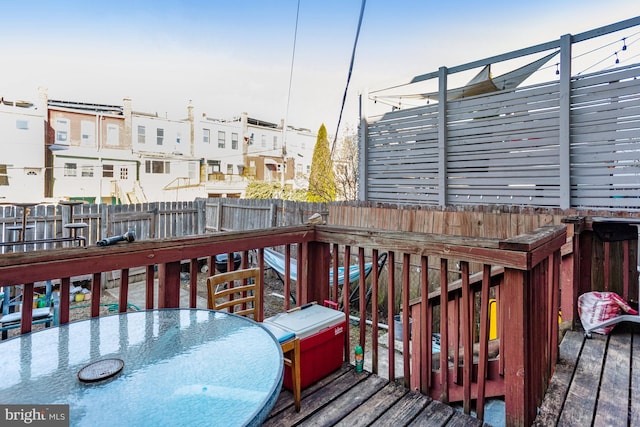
(88,154)
(247,148)
(220,145)
(111,154)
(278,153)
(164,150)
(22,166)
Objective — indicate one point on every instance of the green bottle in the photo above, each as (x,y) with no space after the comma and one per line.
(359,358)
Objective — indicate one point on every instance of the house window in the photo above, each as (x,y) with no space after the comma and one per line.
(193,170)
(234,141)
(70,169)
(221,138)
(107,171)
(156,167)
(87,133)
(308,168)
(112,135)
(178,138)
(86,171)
(142,135)
(124,172)
(4,176)
(229,169)
(206,136)
(263,141)
(22,124)
(214,166)
(62,131)
(159,136)
(298,169)
(275,142)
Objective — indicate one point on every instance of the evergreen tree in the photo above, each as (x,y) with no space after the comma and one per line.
(322,181)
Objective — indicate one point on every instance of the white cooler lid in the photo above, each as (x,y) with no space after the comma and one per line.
(307,321)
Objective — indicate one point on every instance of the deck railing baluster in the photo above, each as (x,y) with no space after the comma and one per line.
(522,272)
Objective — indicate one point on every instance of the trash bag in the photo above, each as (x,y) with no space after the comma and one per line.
(596,307)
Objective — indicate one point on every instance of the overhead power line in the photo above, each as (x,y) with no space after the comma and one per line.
(353,54)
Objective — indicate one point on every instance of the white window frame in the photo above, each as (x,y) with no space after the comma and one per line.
(222,138)
(206,136)
(214,166)
(159,136)
(62,128)
(193,170)
(70,169)
(107,171)
(87,133)
(113,135)
(142,134)
(157,167)
(86,171)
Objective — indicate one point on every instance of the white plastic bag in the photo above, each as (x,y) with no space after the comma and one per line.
(596,307)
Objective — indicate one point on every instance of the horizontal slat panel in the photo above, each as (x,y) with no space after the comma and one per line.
(503,147)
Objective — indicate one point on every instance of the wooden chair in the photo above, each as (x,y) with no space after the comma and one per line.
(245,300)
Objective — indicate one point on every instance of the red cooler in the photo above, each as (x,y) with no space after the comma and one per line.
(321,333)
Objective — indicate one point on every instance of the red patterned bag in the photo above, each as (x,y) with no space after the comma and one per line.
(596,307)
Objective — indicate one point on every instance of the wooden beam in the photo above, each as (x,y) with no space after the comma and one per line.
(516,370)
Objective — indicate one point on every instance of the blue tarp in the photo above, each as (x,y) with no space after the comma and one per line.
(275,260)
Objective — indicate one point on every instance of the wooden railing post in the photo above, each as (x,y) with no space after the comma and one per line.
(169,285)
(570,290)
(317,262)
(516,368)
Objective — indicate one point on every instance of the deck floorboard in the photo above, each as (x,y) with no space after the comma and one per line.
(597,381)
(347,398)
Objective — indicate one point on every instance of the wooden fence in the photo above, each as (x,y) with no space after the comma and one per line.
(149,220)
(249,214)
(176,219)
(568,143)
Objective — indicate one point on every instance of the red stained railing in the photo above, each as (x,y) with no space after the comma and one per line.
(442,283)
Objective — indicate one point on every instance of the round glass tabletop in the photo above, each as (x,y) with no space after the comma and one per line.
(180,367)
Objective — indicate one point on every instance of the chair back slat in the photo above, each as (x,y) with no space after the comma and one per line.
(243,299)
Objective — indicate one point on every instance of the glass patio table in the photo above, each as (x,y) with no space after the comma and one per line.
(178,367)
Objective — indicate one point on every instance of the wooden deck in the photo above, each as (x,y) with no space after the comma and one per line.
(597,381)
(348,399)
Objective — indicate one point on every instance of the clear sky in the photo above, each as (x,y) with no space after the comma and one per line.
(232,56)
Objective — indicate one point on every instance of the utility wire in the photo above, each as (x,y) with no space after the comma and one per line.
(286,114)
(353,54)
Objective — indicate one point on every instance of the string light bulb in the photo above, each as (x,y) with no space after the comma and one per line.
(557,68)
(624,43)
(617,59)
